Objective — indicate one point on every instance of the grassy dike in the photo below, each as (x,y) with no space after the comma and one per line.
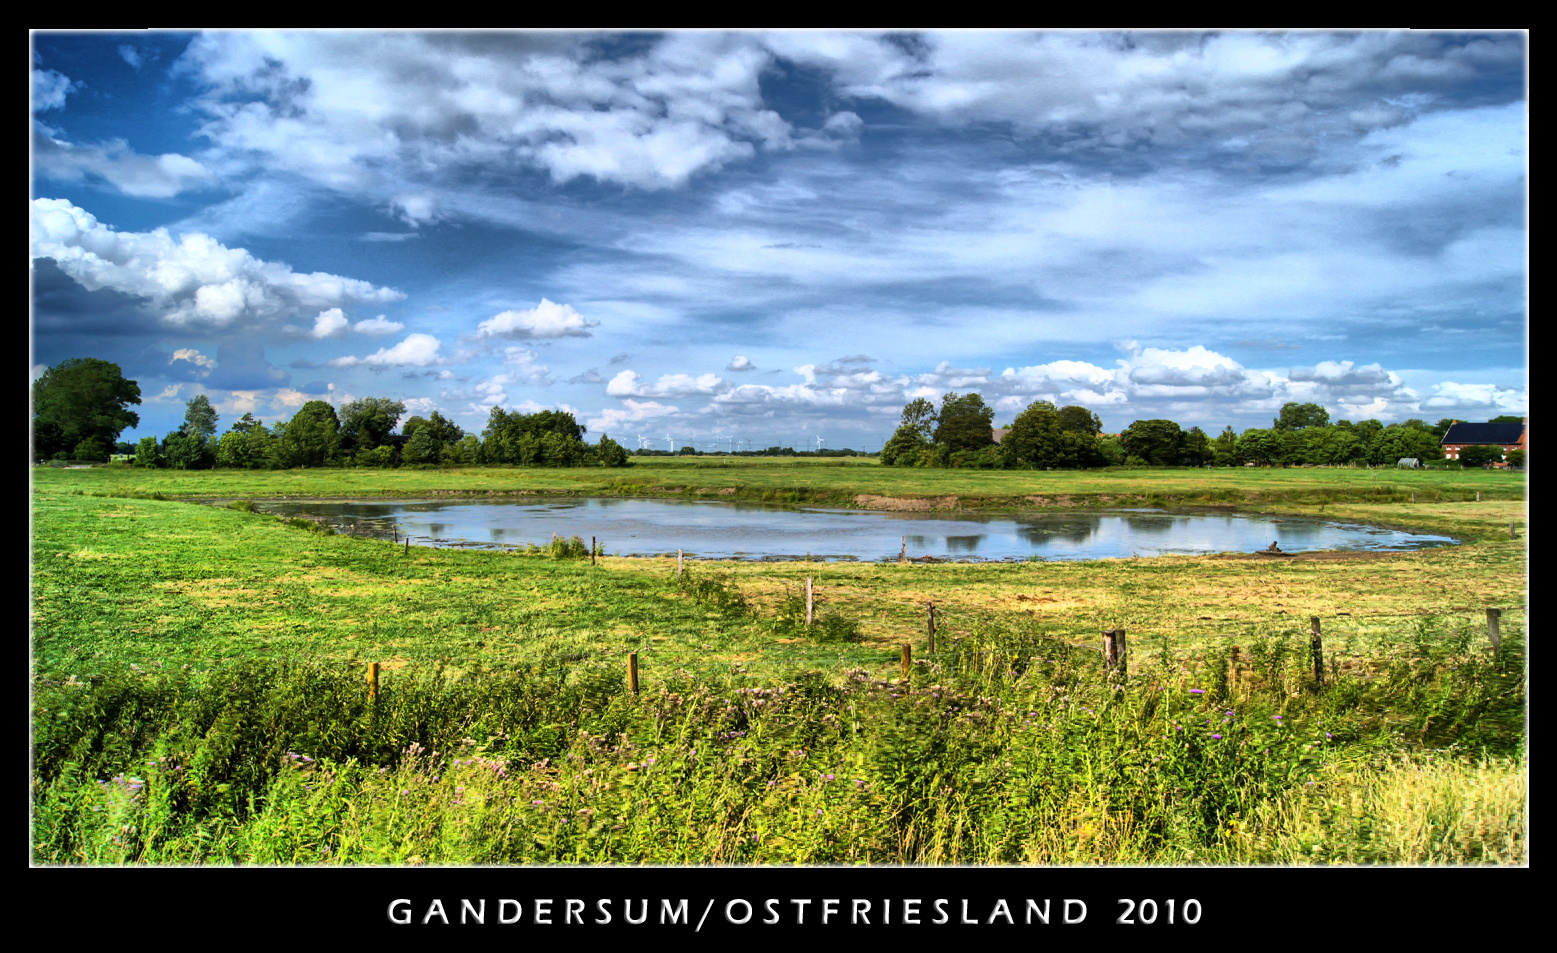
(199,692)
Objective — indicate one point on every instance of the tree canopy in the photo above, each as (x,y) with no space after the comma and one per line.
(365,423)
(1156,442)
(199,418)
(1296,416)
(81,399)
(965,423)
(310,439)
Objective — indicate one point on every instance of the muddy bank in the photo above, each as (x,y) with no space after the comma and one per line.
(898,504)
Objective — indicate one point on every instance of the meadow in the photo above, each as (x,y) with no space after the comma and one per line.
(200,691)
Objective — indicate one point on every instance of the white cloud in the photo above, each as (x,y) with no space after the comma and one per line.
(740,363)
(192,356)
(545,320)
(634,412)
(377,326)
(190,280)
(629,384)
(331,323)
(134,174)
(367,115)
(522,360)
(417,350)
(49,89)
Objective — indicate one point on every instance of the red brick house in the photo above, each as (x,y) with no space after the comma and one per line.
(1507,437)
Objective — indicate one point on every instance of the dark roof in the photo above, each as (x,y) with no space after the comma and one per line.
(1500,434)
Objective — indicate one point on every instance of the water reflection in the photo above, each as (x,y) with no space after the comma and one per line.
(757,531)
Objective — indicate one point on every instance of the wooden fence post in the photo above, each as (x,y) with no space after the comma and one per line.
(932,627)
(591,550)
(1492,629)
(1478,496)
(1115,655)
(1511,533)
(809,602)
(902,553)
(372,681)
(632,672)
(908,658)
(678,565)
(408,545)
(1316,646)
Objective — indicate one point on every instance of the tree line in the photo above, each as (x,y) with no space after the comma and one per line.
(82,405)
(962,434)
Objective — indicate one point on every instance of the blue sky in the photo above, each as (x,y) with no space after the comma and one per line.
(775,237)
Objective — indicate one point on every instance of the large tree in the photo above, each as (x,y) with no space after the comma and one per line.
(1296,416)
(1157,442)
(1078,419)
(199,418)
(428,440)
(966,422)
(310,439)
(551,438)
(366,422)
(912,436)
(246,446)
(79,399)
(1411,439)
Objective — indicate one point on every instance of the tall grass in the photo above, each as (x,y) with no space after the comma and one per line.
(1008,748)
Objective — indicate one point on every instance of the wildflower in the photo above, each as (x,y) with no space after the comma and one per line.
(1197,691)
(1216,737)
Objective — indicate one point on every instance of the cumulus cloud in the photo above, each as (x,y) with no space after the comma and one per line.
(417,350)
(545,320)
(377,326)
(116,163)
(1265,96)
(1470,401)
(630,384)
(524,367)
(632,412)
(191,356)
(192,280)
(338,110)
(740,363)
(331,323)
(49,89)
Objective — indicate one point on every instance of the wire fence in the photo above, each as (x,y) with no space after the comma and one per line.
(952,635)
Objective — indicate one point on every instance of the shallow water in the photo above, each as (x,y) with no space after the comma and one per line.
(711,530)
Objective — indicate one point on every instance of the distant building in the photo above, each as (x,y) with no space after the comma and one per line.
(999,432)
(1507,437)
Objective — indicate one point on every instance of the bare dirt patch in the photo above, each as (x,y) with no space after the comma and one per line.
(897,504)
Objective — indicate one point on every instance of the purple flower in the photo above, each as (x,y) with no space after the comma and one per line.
(1197,691)
(1217,737)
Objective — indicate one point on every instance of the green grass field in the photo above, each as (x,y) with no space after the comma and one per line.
(199,689)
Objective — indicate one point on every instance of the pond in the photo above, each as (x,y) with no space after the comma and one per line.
(709,530)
